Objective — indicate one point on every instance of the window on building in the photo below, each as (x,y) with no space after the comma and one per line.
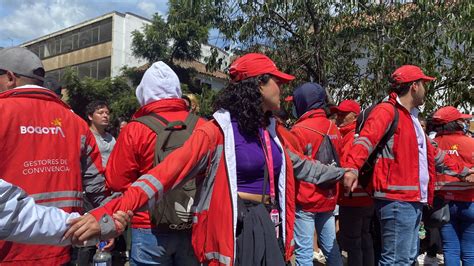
(105,32)
(54,75)
(95,35)
(50,48)
(84,70)
(75,41)
(66,44)
(103,68)
(85,38)
(41,51)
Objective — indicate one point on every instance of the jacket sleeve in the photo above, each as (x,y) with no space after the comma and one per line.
(305,168)
(93,180)
(377,124)
(181,165)
(22,220)
(448,164)
(313,171)
(123,165)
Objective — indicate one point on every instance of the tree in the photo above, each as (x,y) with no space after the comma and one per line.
(115,91)
(353,48)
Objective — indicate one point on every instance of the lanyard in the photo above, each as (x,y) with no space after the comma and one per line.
(267,151)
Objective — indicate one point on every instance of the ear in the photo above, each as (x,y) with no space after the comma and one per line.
(90,117)
(12,80)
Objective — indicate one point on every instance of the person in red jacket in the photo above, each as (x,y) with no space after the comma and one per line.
(404,173)
(245,211)
(46,150)
(159,92)
(356,209)
(458,234)
(314,205)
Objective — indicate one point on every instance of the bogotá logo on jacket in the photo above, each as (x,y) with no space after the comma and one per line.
(55,129)
(454,149)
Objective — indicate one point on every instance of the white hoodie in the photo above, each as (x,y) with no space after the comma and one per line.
(159,82)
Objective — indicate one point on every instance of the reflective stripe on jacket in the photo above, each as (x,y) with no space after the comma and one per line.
(396,171)
(359,197)
(461,147)
(211,149)
(134,152)
(51,154)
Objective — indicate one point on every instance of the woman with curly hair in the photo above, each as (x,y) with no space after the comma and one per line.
(244,211)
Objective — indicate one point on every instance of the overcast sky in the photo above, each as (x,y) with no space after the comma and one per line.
(24,20)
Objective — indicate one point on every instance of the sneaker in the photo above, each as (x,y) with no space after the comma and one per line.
(319,257)
(424,259)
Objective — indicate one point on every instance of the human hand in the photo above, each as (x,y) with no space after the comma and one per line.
(350,180)
(82,229)
(469,178)
(121,220)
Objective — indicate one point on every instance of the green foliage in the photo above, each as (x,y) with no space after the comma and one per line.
(206,100)
(115,91)
(353,48)
(178,38)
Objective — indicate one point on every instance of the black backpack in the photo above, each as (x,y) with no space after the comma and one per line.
(326,153)
(367,170)
(174,211)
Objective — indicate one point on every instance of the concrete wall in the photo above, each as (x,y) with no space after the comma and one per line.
(78,57)
(122,28)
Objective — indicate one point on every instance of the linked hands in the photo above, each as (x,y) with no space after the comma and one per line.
(350,180)
(470,177)
(87,227)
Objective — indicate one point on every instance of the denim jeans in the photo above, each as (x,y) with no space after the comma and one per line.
(305,224)
(458,234)
(356,237)
(151,248)
(399,225)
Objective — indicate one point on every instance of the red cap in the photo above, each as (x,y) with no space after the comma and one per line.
(347,106)
(409,73)
(448,114)
(252,65)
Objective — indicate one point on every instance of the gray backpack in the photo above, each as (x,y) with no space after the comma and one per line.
(173,212)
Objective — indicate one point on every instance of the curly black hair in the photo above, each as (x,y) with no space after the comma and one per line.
(244,102)
(452,126)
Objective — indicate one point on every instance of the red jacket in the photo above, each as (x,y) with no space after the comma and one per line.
(396,172)
(45,149)
(133,154)
(360,197)
(462,147)
(310,197)
(211,149)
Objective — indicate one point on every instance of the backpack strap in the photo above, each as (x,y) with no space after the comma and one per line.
(151,122)
(391,130)
(311,129)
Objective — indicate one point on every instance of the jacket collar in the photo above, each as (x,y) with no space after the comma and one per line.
(312,113)
(33,91)
(347,128)
(165,105)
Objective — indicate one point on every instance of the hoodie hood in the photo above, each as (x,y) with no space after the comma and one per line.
(159,82)
(307,97)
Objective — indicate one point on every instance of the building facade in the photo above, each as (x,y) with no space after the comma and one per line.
(101,47)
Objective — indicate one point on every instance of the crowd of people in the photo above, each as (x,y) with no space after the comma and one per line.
(257,190)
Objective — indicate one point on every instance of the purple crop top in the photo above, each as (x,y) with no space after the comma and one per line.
(250,162)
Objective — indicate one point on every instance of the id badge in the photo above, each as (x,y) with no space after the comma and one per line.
(275,217)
